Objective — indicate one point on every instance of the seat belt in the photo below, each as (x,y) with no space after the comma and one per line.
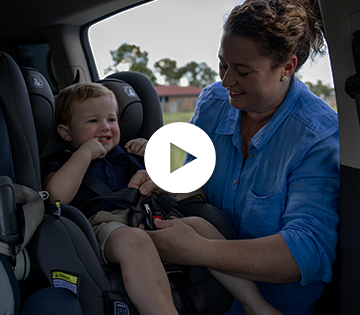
(352,84)
(120,198)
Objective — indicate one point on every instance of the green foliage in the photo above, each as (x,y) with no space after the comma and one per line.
(134,57)
(198,74)
(168,68)
(319,88)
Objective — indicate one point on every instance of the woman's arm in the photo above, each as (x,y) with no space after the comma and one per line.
(266,259)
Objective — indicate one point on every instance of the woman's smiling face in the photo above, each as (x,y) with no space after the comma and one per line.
(252,83)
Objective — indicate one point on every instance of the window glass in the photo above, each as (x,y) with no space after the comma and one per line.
(183,31)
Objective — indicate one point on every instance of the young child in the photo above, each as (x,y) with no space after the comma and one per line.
(87,118)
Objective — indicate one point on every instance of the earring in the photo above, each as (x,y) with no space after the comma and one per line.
(284,78)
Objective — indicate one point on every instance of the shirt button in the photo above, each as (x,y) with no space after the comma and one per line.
(251,156)
(250,142)
(235,181)
(229,212)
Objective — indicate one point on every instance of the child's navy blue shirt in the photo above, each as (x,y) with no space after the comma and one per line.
(113,170)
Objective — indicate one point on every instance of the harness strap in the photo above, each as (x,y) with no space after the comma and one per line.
(123,198)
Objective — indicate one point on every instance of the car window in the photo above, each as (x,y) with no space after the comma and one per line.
(180,30)
(183,31)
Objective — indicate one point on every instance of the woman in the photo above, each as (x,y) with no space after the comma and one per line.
(277,165)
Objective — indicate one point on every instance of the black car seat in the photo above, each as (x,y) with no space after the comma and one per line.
(21,207)
(10,300)
(20,173)
(64,247)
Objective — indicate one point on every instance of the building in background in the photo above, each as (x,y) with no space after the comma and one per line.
(174,98)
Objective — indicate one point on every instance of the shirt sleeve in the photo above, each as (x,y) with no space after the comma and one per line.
(50,166)
(311,215)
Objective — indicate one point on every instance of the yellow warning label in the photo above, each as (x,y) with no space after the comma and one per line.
(64,276)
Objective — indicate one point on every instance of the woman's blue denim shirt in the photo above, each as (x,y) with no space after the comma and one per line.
(289,184)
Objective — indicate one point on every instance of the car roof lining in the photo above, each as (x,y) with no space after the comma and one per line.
(40,14)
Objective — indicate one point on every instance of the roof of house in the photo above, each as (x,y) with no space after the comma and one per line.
(175,90)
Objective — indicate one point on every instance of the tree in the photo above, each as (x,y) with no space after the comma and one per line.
(168,68)
(134,57)
(199,74)
(319,88)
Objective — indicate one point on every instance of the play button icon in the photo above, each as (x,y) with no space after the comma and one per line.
(189,138)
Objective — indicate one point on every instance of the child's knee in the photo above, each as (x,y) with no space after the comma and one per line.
(126,241)
(133,237)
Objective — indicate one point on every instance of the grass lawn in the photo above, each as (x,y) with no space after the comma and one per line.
(177,155)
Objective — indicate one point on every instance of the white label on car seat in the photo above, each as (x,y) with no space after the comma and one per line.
(121,308)
(35,80)
(129,91)
(65,281)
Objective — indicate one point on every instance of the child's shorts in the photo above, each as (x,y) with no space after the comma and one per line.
(104,223)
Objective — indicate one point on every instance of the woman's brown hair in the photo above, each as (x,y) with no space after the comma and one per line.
(281,28)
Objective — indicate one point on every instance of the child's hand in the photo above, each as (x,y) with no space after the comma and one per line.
(136,146)
(142,181)
(95,148)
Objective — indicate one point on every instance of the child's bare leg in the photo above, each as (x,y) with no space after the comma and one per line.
(144,277)
(245,291)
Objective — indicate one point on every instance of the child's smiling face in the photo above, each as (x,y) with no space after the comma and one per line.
(95,117)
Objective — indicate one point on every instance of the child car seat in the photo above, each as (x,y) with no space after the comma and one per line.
(9,290)
(20,164)
(21,208)
(64,246)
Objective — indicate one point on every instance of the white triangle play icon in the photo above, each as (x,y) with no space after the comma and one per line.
(190,139)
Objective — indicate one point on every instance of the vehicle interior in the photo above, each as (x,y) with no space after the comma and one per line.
(52,38)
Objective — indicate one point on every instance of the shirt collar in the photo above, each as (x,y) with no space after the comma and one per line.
(230,123)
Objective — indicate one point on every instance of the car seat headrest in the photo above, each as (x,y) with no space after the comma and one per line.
(151,114)
(130,108)
(43,108)
(139,108)
(17,112)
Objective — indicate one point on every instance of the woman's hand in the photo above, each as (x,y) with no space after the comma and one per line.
(177,242)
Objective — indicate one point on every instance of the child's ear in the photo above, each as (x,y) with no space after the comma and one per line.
(64,132)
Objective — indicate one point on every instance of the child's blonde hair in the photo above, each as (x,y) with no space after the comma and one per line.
(75,94)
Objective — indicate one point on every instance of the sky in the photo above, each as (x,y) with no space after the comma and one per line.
(182,30)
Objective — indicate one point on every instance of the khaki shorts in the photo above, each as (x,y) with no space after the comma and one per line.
(104,223)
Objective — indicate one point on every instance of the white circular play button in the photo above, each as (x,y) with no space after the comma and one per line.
(189,138)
